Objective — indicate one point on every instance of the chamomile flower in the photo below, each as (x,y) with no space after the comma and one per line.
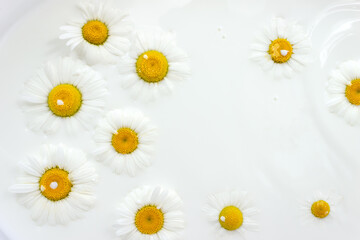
(154,64)
(99,34)
(320,207)
(125,141)
(64,93)
(150,213)
(231,213)
(283,48)
(56,184)
(344,91)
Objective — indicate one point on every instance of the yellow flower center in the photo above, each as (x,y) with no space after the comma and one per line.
(231,218)
(320,209)
(125,141)
(149,220)
(55,184)
(95,32)
(280,50)
(352,92)
(152,66)
(64,100)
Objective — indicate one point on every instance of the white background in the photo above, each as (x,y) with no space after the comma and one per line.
(231,126)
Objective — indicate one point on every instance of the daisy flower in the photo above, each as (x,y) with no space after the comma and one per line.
(150,213)
(231,213)
(153,65)
(56,184)
(66,93)
(320,207)
(344,91)
(283,48)
(100,34)
(125,141)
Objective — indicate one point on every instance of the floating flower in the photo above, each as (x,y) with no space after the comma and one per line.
(283,48)
(150,213)
(63,93)
(56,184)
(154,64)
(320,207)
(344,91)
(100,34)
(125,141)
(231,214)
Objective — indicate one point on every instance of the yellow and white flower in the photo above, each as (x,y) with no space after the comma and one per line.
(56,184)
(231,213)
(154,64)
(64,93)
(125,141)
(100,34)
(320,207)
(283,48)
(344,91)
(150,213)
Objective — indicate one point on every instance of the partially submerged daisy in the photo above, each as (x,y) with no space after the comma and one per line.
(125,141)
(99,34)
(283,48)
(344,91)
(150,213)
(231,213)
(56,184)
(320,207)
(155,63)
(64,93)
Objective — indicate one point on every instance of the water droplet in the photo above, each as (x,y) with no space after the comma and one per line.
(60,102)
(53,185)
(284,52)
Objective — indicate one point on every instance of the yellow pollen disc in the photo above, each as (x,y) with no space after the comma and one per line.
(152,66)
(64,100)
(320,209)
(352,92)
(95,32)
(125,141)
(149,220)
(280,50)
(55,184)
(231,218)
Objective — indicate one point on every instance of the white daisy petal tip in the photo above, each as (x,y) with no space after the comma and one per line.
(101,34)
(52,187)
(125,141)
(231,213)
(283,49)
(320,207)
(64,93)
(343,88)
(150,212)
(154,65)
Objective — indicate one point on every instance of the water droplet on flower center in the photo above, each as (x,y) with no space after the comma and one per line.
(53,185)
(284,52)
